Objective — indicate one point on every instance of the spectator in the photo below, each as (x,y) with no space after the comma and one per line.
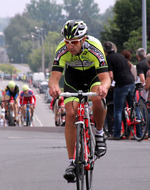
(124,87)
(128,57)
(147,88)
(141,66)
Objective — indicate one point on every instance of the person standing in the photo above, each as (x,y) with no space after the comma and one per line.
(119,71)
(141,66)
(147,88)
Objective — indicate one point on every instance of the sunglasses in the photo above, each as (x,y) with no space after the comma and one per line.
(73,42)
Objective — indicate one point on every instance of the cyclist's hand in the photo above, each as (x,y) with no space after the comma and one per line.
(54,91)
(102,91)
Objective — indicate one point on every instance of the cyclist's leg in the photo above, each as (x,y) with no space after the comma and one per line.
(70,130)
(16,108)
(99,113)
(7,98)
(70,135)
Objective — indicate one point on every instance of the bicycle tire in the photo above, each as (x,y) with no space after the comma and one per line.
(79,158)
(10,117)
(27,118)
(89,173)
(143,125)
(109,120)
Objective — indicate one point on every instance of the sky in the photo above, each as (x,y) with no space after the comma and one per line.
(9,8)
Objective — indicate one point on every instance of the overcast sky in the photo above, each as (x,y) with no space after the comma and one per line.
(8,8)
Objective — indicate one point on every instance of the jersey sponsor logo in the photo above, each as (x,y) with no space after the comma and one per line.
(103,63)
(78,63)
(60,52)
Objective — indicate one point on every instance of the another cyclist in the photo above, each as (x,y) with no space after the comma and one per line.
(54,105)
(27,96)
(84,61)
(11,93)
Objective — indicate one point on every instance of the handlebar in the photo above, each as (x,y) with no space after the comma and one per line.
(77,94)
(82,94)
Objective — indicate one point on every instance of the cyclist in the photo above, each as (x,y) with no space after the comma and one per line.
(54,105)
(84,61)
(27,96)
(11,93)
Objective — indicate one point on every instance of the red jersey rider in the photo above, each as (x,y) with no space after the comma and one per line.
(55,104)
(27,96)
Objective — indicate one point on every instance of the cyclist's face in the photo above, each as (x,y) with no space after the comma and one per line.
(26,92)
(12,89)
(74,46)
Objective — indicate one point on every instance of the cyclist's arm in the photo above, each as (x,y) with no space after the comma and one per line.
(34,100)
(105,84)
(54,84)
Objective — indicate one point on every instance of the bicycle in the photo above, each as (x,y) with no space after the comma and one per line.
(136,118)
(10,116)
(84,152)
(28,115)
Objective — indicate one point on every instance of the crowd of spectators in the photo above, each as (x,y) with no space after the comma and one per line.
(124,75)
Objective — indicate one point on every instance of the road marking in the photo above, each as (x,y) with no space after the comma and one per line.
(38,120)
(15,137)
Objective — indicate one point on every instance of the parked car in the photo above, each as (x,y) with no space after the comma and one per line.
(37,78)
(43,86)
(47,96)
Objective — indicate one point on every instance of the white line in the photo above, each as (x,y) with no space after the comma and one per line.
(38,120)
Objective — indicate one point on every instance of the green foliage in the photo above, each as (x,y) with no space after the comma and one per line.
(51,42)
(18,27)
(87,11)
(127,18)
(48,15)
(46,11)
(7,68)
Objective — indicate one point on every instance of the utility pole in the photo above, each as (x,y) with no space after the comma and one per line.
(144,26)
(40,32)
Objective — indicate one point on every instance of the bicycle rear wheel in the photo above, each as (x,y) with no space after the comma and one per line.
(139,131)
(80,157)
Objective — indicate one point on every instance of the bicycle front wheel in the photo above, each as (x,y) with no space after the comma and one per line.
(80,157)
(139,130)
(91,157)
(27,118)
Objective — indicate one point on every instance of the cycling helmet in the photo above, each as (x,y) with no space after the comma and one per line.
(74,29)
(11,84)
(25,87)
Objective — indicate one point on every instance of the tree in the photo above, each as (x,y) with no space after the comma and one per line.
(50,45)
(8,68)
(18,27)
(46,11)
(87,11)
(127,18)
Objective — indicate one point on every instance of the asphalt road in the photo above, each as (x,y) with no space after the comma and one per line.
(35,159)
(43,116)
